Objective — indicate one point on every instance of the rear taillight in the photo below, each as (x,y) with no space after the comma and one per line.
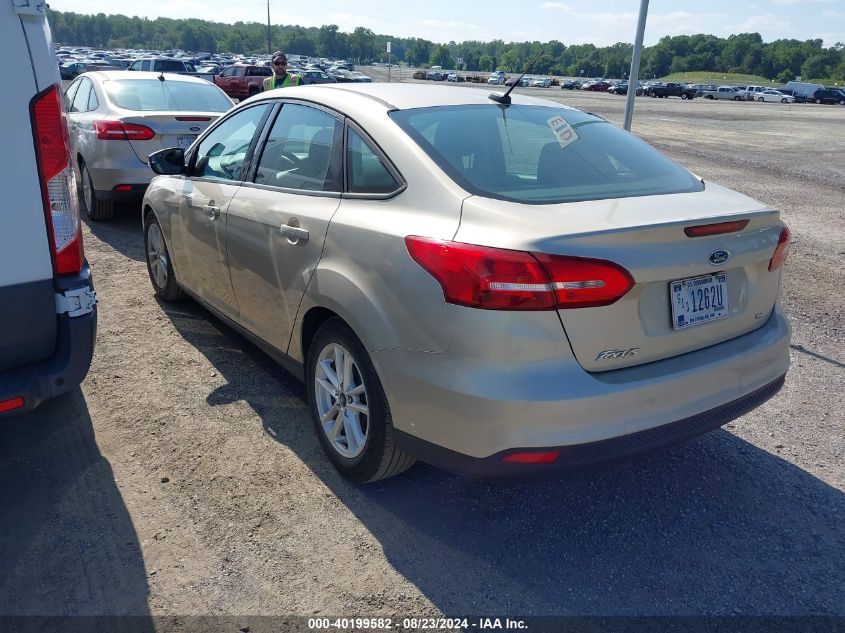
(122,131)
(499,279)
(58,186)
(781,250)
(580,282)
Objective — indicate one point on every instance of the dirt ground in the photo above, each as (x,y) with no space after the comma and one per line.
(184,477)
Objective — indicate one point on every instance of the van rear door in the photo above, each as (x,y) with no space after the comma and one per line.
(28,318)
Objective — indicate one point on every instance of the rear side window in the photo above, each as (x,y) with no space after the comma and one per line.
(168,66)
(366,172)
(541,155)
(80,99)
(171,94)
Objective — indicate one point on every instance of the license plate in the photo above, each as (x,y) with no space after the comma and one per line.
(698,300)
(185,141)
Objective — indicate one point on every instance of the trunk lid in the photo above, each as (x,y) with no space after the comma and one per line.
(646,236)
(172,129)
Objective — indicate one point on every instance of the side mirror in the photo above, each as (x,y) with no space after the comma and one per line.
(168,162)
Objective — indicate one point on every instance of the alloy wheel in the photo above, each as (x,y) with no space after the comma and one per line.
(342,402)
(157,255)
(87,190)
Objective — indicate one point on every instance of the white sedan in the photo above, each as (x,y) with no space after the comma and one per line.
(774,96)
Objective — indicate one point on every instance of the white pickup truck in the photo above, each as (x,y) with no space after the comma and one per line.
(48,320)
(724,92)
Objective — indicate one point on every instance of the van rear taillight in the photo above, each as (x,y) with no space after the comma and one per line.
(58,187)
(500,279)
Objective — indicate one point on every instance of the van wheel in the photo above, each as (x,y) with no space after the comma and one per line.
(349,408)
(159,266)
(97,210)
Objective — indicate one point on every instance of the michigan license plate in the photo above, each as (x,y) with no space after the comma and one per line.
(185,141)
(698,300)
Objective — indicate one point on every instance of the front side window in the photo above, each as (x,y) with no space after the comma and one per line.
(541,155)
(170,94)
(228,72)
(299,152)
(222,154)
(366,172)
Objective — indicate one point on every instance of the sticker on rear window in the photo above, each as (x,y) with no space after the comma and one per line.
(563,131)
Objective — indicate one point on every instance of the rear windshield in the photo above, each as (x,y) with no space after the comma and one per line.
(152,94)
(541,155)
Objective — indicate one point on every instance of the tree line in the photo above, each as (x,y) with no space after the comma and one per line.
(781,60)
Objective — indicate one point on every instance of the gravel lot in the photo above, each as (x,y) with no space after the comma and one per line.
(184,476)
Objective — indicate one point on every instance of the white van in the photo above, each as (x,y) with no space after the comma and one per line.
(48,320)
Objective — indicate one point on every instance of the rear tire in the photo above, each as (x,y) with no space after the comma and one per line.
(96,209)
(761,100)
(357,434)
(159,265)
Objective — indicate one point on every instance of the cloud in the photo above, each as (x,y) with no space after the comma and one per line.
(758,23)
(451,25)
(833,14)
(556,5)
(789,2)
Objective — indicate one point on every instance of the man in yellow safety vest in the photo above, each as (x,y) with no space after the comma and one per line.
(280,78)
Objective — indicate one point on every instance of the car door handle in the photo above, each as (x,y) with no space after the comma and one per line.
(212,213)
(294,233)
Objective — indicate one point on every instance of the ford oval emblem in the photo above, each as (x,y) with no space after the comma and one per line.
(196,128)
(719,257)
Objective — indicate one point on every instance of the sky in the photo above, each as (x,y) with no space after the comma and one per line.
(601,22)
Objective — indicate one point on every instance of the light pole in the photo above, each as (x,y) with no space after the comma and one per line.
(269,39)
(635,66)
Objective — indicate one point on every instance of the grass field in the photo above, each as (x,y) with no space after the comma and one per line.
(735,79)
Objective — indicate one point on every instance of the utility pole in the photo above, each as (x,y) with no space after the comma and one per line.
(269,38)
(635,66)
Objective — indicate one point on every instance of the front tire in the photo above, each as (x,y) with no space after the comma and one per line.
(97,210)
(349,408)
(159,266)
(783,100)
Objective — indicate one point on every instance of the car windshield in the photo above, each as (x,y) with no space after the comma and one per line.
(541,155)
(170,94)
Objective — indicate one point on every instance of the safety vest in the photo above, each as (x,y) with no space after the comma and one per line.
(269,83)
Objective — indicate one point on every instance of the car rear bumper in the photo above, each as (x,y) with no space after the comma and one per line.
(69,363)
(105,180)
(537,396)
(591,454)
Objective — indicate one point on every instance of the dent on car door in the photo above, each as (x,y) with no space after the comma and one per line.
(278,222)
(215,173)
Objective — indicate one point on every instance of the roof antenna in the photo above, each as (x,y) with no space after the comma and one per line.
(505,99)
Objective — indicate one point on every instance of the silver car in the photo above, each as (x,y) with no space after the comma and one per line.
(493,288)
(117,118)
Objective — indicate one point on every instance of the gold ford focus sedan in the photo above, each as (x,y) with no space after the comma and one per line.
(496,286)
